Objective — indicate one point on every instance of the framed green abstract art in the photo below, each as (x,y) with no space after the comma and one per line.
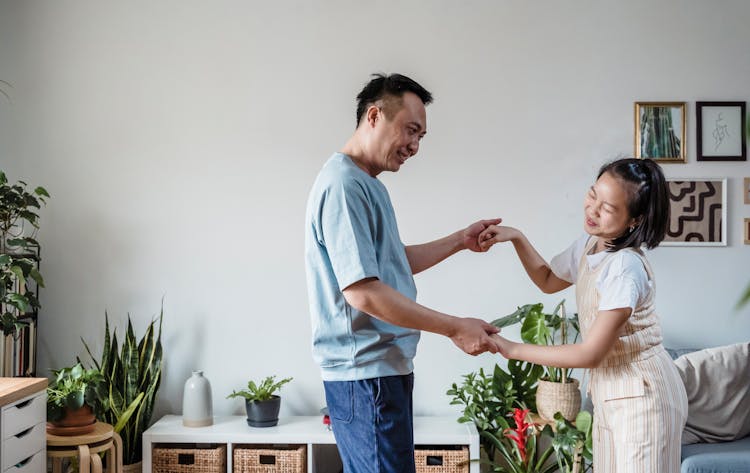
(660,131)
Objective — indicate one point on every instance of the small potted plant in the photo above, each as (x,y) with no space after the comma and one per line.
(73,399)
(261,404)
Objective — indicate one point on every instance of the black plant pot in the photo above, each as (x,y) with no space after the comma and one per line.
(263,413)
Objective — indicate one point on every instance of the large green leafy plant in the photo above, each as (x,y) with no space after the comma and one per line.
(542,328)
(499,406)
(488,400)
(133,374)
(19,251)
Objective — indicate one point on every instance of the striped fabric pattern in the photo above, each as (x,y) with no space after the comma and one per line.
(640,405)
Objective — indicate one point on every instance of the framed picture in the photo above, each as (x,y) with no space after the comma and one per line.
(746,190)
(660,131)
(747,231)
(720,130)
(697,212)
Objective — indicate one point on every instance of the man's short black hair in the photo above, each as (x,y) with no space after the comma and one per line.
(394,85)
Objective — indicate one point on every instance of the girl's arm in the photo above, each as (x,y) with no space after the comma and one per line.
(587,354)
(536,267)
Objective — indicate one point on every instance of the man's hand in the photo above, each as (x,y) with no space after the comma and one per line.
(471,234)
(473,336)
(495,234)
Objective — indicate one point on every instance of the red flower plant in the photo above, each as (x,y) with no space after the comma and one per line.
(521,433)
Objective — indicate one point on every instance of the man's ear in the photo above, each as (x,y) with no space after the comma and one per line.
(373,115)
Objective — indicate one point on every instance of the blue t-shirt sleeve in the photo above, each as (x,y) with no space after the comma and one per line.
(347,231)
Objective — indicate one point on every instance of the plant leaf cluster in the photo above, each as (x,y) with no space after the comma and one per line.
(73,387)
(488,401)
(542,328)
(572,442)
(19,250)
(262,391)
(132,373)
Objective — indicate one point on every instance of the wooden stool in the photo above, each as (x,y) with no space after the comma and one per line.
(87,447)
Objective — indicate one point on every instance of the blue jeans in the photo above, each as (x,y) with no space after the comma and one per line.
(372,423)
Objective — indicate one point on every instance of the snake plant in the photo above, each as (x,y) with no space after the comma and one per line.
(133,376)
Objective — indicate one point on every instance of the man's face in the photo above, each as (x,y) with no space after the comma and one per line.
(397,139)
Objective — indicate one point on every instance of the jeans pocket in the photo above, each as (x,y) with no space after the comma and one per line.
(340,400)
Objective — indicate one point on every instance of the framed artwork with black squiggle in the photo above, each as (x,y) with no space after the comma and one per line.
(697,212)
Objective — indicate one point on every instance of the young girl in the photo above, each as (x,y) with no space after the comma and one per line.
(640,405)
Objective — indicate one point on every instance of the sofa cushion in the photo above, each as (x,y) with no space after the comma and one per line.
(727,457)
(718,391)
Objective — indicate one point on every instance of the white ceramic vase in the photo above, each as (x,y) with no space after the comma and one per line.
(197,405)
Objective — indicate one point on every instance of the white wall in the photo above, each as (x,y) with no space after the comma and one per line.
(179,139)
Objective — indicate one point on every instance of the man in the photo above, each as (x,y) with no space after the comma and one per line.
(361,288)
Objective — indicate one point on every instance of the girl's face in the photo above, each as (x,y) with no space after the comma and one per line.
(605,208)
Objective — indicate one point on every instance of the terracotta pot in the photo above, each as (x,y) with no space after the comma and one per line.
(75,422)
(558,397)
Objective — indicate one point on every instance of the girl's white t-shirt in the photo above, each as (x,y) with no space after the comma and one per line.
(623,282)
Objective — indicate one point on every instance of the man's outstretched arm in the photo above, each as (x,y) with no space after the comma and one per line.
(427,255)
(385,303)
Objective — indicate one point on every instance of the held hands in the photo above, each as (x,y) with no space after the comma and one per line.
(473,336)
(503,345)
(495,234)
(472,233)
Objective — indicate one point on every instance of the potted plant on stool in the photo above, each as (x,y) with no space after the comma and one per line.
(261,404)
(73,399)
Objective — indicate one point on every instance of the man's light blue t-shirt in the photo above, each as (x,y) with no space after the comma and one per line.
(351,235)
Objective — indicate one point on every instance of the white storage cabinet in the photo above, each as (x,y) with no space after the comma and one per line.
(322,455)
(23,425)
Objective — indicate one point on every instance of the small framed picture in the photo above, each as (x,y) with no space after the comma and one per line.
(746,190)
(720,131)
(697,212)
(747,231)
(660,131)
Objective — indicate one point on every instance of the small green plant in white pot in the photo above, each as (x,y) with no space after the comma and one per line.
(261,404)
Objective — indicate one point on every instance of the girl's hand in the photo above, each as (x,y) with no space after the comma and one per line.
(503,345)
(495,234)
(470,235)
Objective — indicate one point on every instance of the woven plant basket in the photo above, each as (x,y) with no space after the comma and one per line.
(558,397)
(269,459)
(190,460)
(441,460)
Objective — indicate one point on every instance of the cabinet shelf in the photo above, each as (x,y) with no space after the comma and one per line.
(299,430)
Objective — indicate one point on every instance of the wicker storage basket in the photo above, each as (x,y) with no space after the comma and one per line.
(558,397)
(441,459)
(269,459)
(190,460)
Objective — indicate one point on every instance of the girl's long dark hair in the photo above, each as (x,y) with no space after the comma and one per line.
(648,202)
